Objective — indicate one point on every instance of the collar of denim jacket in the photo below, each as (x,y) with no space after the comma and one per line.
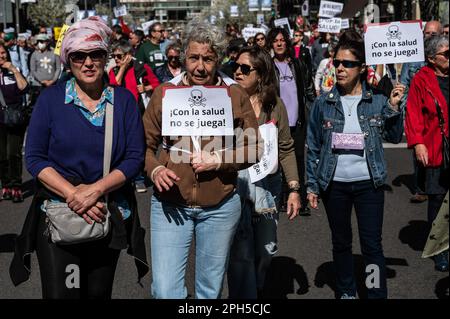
(334,95)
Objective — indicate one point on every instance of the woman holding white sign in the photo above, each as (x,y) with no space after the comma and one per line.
(346,166)
(255,241)
(195,179)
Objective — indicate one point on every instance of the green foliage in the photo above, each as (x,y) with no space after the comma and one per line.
(47,12)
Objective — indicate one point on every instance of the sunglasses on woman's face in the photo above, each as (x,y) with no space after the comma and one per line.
(260,39)
(346,63)
(245,68)
(116,56)
(79,57)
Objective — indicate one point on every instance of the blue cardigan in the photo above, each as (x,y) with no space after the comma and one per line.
(59,136)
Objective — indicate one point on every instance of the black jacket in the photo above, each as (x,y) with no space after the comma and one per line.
(305,88)
(124,235)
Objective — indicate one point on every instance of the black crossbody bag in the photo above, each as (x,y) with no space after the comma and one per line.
(445,142)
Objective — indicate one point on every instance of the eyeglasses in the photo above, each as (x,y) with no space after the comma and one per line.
(346,63)
(286,78)
(80,57)
(116,56)
(260,39)
(245,68)
(173,57)
(41,41)
(298,35)
(444,54)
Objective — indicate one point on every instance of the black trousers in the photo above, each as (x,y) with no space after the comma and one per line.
(75,271)
(11,142)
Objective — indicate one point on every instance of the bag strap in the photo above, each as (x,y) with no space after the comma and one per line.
(440,117)
(2,100)
(108,138)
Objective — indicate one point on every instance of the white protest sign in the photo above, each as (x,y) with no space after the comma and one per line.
(146,26)
(260,18)
(234,11)
(120,11)
(197,111)
(253,5)
(283,23)
(395,42)
(330,9)
(269,161)
(331,25)
(305,8)
(345,24)
(251,32)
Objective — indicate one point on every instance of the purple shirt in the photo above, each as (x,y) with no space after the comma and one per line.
(288,92)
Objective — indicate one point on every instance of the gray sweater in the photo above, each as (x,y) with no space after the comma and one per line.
(44,66)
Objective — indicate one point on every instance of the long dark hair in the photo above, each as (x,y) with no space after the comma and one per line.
(273,33)
(263,64)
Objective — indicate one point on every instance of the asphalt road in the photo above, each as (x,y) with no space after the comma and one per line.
(302,268)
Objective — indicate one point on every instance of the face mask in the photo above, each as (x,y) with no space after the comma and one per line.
(42,46)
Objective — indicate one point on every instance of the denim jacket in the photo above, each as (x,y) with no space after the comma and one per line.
(377,120)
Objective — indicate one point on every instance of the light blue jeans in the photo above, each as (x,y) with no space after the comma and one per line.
(172,230)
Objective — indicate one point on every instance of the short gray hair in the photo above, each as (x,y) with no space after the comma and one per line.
(123,46)
(433,44)
(205,33)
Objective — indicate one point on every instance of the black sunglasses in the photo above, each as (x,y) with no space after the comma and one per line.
(346,63)
(118,56)
(444,54)
(260,39)
(80,57)
(245,68)
(171,57)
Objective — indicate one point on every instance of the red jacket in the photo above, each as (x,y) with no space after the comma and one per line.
(421,122)
(130,80)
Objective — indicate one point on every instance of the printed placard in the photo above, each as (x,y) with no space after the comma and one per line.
(62,32)
(253,5)
(234,11)
(120,11)
(251,32)
(305,8)
(395,42)
(330,9)
(345,24)
(283,23)
(331,25)
(269,161)
(197,111)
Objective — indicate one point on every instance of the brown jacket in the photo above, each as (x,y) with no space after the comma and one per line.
(208,188)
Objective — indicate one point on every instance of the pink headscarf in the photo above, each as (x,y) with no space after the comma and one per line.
(85,35)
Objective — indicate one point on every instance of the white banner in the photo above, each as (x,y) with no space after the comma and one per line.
(234,11)
(330,9)
(251,32)
(197,111)
(269,161)
(266,5)
(331,25)
(395,42)
(120,11)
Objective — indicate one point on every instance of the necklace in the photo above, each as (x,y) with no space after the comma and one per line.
(351,107)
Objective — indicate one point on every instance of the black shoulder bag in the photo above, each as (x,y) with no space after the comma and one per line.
(12,115)
(445,142)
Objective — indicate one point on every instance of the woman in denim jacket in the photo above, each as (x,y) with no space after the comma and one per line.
(345,162)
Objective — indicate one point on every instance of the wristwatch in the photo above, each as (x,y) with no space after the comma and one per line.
(294,189)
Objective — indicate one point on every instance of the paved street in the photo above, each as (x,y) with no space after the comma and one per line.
(302,269)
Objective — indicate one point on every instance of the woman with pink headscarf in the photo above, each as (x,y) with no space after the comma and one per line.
(64,153)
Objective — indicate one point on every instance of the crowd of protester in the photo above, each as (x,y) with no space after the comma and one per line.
(315,87)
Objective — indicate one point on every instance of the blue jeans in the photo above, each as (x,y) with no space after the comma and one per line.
(368,201)
(172,230)
(254,245)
